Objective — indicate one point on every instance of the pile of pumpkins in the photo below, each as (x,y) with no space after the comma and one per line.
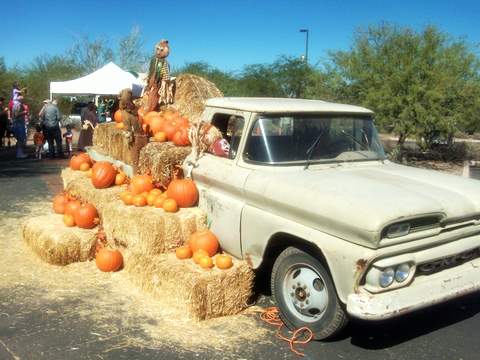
(75,213)
(166,125)
(180,193)
(102,173)
(203,247)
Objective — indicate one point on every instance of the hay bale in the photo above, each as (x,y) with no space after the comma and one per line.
(181,284)
(148,230)
(159,159)
(191,93)
(57,244)
(80,186)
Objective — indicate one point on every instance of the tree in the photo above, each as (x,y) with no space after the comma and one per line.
(292,75)
(415,82)
(129,54)
(91,54)
(259,80)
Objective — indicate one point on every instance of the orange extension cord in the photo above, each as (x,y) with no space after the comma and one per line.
(271,316)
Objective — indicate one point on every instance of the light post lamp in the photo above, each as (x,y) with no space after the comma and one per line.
(306,44)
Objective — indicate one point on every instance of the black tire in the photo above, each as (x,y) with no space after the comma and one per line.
(305,294)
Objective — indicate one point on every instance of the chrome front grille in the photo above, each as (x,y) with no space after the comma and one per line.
(435,266)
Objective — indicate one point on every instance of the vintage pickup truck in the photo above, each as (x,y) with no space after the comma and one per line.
(307,195)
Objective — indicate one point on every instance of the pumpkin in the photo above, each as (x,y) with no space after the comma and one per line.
(139,200)
(199,254)
(68,220)
(159,200)
(59,203)
(147,119)
(151,197)
(84,166)
(223,261)
(204,240)
(183,252)
(109,260)
(72,207)
(160,136)
(78,160)
(118,116)
(170,205)
(205,262)
(156,191)
(103,175)
(183,191)
(181,137)
(120,178)
(141,183)
(120,125)
(170,128)
(169,115)
(183,122)
(156,124)
(127,197)
(86,216)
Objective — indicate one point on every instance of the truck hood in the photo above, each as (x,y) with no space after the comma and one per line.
(357,202)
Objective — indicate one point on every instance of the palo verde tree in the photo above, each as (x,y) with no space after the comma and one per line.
(417,82)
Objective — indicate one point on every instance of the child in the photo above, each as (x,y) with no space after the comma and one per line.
(68,139)
(38,140)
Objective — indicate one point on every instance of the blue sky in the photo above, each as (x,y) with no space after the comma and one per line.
(226,34)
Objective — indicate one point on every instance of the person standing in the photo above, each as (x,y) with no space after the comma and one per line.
(3,121)
(18,115)
(38,141)
(102,111)
(51,124)
(89,122)
(68,135)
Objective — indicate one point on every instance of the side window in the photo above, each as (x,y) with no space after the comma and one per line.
(231,128)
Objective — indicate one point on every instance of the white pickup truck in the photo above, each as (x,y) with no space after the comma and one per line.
(307,195)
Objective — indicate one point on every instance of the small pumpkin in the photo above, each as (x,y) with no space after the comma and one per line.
(109,260)
(120,178)
(204,240)
(59,203)
(118,116)
(126,197)
(223,261)
(147,119)
(78,160)
(197,255)
(205,262)
(160,136)
(68,220)
(86,216)
(84,166)
(103,174)
(181,137)
(158,203)
(170,205)
(72,207)
(183,252)
(170,128)
(151,197)
(156,124)
(156,191)
(139,200)
(141,183)
(120,125)
(183,191)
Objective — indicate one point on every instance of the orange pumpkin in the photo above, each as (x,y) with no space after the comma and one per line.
(139,200)
(103,174)
(151,198)
(160,136)
(120,125)
(199,254)
(223,261)
(84,166)
(156,124)
(120,178)
(78,160)
(86,216)
(170,205)
(205,262)
(72,207)
(109,260)
(204,240)
(127,197)
(147,119)
(158,203)
(181,137)
(118,116)
(183,252)
(59,203)
(156,191)
(141,183)
(183,122)
(170,128)
(68,220)
(183,191)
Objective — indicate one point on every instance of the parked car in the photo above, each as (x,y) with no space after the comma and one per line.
(307,196)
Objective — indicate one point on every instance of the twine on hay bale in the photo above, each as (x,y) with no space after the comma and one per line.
(148,230)
(182,284)
(192,91)
(81,187)
(160,158)
(57,244)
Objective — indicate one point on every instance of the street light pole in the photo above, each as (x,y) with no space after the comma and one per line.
(306,44)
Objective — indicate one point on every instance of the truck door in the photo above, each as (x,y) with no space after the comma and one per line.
(220,183)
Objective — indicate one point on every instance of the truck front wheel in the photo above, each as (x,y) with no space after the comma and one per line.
(305,294)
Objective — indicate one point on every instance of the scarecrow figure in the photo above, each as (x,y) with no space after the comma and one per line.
(160,88)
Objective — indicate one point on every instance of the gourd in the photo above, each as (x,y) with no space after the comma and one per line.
(183,191)
(103,175)
(204,240)
(86,216)
(109,260)
(59,203)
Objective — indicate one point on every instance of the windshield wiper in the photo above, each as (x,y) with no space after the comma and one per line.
(365,146)
(312,148)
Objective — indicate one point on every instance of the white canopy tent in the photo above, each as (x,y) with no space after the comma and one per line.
(108,80)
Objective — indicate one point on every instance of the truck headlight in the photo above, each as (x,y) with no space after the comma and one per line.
(386,277)
(402,272)
(399,229)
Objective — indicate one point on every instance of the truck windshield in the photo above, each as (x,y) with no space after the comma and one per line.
(309,138)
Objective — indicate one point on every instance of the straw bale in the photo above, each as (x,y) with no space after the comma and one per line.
(57,244)
(148,230)
(182,284)
(160,158)
(81,187)
(191,93)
